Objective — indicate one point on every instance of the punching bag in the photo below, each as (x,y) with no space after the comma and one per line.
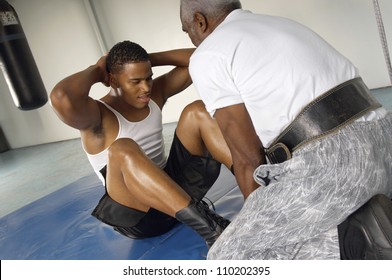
(17,62)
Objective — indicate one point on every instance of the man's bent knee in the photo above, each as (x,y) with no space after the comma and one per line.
(195,109)
(123,148)
(194,115)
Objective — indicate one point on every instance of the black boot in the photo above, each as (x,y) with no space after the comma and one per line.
(202,220)
(367,233)
(216,217)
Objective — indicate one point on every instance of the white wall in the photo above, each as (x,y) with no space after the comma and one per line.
(62,40)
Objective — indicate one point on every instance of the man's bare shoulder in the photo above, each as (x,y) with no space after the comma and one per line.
(101,135)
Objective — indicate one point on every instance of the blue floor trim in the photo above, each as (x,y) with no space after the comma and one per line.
(60,227)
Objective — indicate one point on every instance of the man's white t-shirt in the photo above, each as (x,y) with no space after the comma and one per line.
(273,65)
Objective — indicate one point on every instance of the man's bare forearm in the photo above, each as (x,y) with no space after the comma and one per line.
(178,57)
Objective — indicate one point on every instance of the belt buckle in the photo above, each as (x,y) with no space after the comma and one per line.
(278,153)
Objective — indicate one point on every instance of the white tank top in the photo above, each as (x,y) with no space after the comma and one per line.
(146,133)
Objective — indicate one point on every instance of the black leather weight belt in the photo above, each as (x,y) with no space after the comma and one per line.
(325,115)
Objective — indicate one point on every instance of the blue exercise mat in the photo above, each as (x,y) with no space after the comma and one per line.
(59,227)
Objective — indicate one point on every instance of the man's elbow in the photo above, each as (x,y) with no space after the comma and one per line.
(57,97)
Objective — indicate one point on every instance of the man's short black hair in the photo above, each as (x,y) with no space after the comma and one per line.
(123,53)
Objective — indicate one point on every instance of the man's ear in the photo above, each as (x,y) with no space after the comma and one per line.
(113,81)
(201,21)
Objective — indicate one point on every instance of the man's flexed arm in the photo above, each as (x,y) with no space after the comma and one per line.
(244,144)
(175,80)
(70,97)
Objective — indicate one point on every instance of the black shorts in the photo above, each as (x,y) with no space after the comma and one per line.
(194,174)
